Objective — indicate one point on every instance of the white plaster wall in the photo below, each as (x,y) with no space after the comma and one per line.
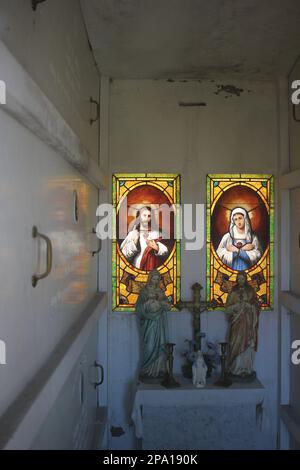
(52,45)
(104,256)
(150,132)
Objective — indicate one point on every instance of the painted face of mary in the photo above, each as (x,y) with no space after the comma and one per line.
(239,248)
(239,221)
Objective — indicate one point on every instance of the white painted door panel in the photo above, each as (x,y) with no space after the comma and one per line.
(294,126)
(71,421)
(37,188)
(295,241)
(51,44)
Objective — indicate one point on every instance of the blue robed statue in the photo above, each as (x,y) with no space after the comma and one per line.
(151,308)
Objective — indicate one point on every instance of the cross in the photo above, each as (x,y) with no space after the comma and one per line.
(197,306)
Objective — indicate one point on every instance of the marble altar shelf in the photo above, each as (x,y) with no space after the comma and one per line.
(191,418)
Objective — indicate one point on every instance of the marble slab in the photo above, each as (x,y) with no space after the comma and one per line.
(190,418)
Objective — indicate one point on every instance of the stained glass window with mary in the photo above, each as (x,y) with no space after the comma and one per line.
(239,248)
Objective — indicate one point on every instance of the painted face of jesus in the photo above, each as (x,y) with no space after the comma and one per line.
(239,221)
(145,219)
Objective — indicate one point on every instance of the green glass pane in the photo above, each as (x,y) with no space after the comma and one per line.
(255,176)
(272,191)
(222,176)
(161,175)
(129,175)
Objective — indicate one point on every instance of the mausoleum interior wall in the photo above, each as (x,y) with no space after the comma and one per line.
(149,132)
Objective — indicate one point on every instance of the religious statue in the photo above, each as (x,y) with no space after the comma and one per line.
(199,369)
(243,309)
(151,308)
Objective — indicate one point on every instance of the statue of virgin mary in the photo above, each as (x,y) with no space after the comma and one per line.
(239,248)
(151,308)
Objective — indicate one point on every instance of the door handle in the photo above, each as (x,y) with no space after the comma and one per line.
(99,366)
(97,110)
(37,277)
(99,244)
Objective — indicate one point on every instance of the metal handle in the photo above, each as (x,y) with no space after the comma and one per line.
(98,110)
(96,384)
(99,244)
(294,114)
(37,277)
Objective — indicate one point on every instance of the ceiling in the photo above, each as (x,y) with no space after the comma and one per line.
(193,38)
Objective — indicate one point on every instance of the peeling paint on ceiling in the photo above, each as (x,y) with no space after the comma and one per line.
(188,39)
(229,90)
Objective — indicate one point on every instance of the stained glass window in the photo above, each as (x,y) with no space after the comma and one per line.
(136,196)
(240,234)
